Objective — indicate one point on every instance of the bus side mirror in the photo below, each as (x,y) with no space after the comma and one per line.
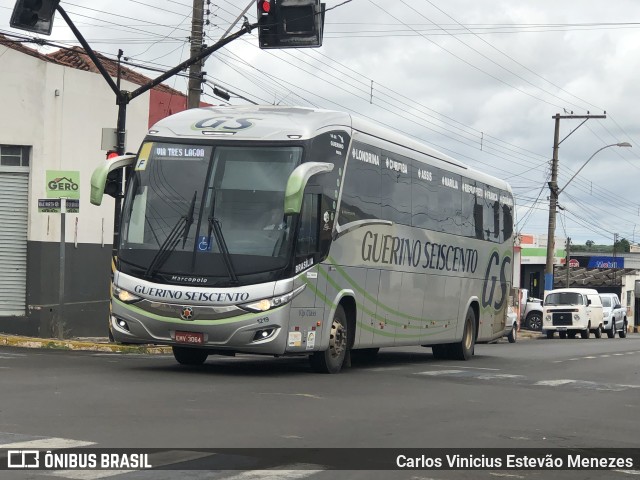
(588,301)
(298,180)
(104,178)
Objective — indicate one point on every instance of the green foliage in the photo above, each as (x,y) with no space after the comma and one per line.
(621,246)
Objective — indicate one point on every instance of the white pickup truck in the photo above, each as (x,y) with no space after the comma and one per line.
(614,315)
(530,311)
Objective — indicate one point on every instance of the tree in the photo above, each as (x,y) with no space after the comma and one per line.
(589,244)
(622,245)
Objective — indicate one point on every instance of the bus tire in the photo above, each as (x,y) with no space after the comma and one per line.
(190,356)
(332,359)
(465,348)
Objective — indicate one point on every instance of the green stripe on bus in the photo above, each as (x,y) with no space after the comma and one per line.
(357,287)
(361,306)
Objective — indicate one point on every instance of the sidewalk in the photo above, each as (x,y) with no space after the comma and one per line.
(101,344)
(93,344)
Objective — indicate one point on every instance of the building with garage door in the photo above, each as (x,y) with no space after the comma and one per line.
(54,109)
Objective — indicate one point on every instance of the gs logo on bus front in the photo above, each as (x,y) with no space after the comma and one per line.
(496,268)
(224,124)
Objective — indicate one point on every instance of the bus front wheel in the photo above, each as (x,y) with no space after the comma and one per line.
(331,360)
(189,356)
(465,348)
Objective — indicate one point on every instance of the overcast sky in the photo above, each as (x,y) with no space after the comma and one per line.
(478,80)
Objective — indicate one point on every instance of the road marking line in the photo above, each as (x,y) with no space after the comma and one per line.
(434,373)
(293,472)
(493,376)
(629,472)
(590,357)
(554,383)
(618,354)
(88,474)
(306,395)
(604,356)
(49,443)
(471,368)
(505,475)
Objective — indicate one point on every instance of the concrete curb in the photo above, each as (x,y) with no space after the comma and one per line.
(82,345)
(529,334)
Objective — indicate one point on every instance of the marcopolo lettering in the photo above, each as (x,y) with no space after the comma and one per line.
(197,296)
(392,250)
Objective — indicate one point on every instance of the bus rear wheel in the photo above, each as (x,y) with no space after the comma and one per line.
(331,360)
(465,348)
(190,356)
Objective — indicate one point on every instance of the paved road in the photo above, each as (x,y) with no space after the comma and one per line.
(536,393)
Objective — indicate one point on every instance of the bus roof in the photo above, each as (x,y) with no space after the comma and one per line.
(265,122)
(250,122)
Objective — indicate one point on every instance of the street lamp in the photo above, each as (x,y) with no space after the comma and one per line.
(553,202)
(621,144)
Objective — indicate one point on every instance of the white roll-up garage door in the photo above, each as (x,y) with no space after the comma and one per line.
(14,194)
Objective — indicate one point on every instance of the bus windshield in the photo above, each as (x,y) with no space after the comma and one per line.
(208,211)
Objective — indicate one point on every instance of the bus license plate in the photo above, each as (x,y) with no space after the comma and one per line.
(190,337)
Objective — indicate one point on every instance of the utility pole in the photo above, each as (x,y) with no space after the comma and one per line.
(553,194)
(553,204)
(615,260)
(195,71)
(568,259)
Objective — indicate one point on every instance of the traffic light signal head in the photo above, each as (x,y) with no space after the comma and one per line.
(264,7)
(34,15)
(113,185)
(290,23)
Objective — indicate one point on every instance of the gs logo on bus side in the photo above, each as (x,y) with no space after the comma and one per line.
(496,267)
(224,124)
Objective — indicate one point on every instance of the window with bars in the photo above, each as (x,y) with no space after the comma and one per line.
(14,155)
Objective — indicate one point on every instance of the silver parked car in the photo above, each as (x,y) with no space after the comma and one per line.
(511,326)
(614,315)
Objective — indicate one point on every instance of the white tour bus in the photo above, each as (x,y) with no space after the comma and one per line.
(293,231)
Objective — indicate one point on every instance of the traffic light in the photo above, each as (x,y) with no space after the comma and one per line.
(113,185)
(290,23)
(267,25)
(34,15)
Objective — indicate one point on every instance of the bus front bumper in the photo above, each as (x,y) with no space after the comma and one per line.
(263,333)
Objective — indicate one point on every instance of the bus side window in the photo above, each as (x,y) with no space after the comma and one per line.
(308,228)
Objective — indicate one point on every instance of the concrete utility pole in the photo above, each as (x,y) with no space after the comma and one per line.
(553,194)
(568,259)
(195,71)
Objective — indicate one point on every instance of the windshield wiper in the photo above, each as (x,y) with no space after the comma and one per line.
(214,225)
(179,231)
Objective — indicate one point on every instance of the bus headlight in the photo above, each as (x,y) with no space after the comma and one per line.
(274,302)
(125,295)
